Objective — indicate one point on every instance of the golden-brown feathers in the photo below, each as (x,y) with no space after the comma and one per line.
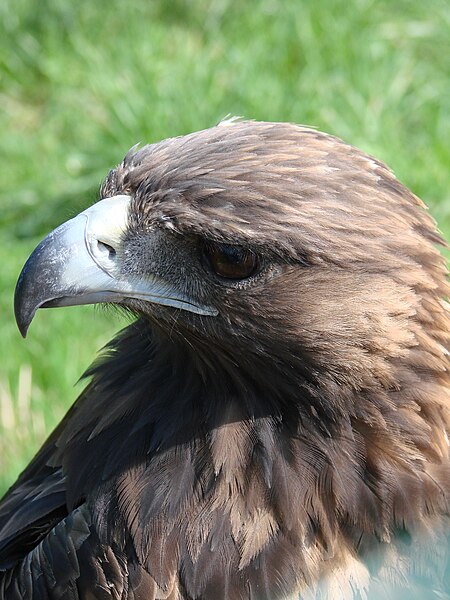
(297,444)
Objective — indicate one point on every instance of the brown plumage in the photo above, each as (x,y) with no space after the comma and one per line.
(278,434)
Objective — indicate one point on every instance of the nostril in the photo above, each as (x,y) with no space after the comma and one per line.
(106,250)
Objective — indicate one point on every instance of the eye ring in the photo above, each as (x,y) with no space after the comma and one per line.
(230,261)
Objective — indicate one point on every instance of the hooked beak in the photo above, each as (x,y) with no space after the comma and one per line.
(78,263)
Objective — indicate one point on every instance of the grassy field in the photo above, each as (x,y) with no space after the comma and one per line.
(82,82)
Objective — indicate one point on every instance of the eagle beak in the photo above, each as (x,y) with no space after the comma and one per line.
(78,263)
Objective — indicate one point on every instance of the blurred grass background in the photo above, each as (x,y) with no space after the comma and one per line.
(81,82)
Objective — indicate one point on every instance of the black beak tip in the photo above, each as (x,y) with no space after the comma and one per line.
(23,328)
(22,311)
(23,331)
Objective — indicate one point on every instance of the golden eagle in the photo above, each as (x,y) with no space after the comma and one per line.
(274,424)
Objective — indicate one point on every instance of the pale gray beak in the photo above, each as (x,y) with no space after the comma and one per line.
(78,263)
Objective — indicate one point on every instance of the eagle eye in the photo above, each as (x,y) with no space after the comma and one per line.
(230,262)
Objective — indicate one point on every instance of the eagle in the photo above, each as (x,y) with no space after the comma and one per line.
(273,424)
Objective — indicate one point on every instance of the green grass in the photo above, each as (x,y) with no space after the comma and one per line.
(82,82)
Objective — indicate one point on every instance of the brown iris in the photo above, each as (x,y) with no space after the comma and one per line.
(231,262)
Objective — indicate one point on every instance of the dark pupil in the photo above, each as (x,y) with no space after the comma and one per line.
(232,262)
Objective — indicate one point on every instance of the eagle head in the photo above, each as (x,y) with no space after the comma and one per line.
(268,245)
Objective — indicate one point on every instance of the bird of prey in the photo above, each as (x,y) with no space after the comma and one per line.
(274,424)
